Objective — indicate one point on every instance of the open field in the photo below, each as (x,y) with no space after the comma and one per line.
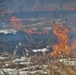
(37,66)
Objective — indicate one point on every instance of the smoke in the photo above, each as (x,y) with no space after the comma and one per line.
(9,6)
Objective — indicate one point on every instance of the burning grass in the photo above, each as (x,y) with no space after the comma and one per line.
(62,47)
(54,66)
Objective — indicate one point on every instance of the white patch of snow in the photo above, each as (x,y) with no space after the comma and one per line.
(8,31)
(3,58)
(16,60)
(24,63)
(6,64)
(10,71)
(23,58)
(40,71)
(68,62)
(40,50)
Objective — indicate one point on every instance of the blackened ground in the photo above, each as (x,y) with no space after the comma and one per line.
(8,42)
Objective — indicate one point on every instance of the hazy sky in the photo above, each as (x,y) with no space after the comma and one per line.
(9,6)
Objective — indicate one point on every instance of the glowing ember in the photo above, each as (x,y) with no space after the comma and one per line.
(16,23)
(62,47)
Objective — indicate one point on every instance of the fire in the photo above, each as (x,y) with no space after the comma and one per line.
(62,47)
(15,22)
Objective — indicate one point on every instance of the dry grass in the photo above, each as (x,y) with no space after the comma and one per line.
(54,66)
(57,68)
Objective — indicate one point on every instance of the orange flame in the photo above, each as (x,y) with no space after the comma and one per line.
(15,22)
(62,47)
